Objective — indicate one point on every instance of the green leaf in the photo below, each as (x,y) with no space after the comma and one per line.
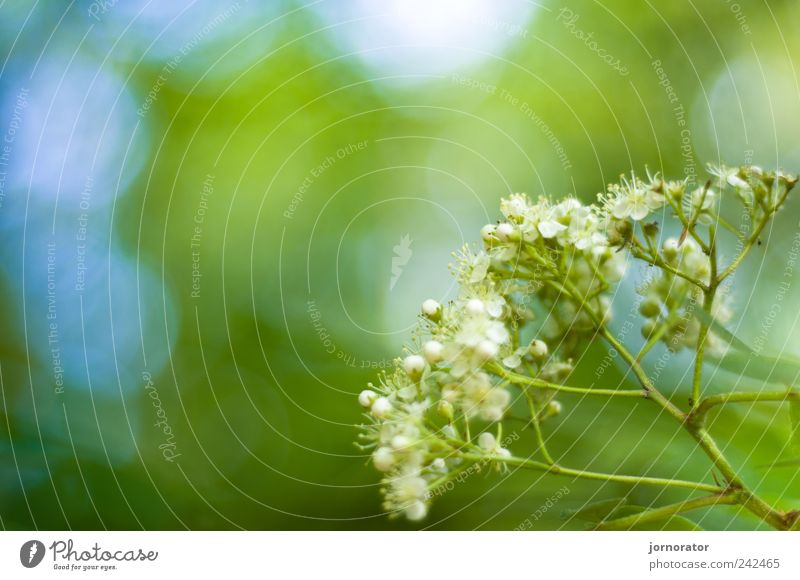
(721,331)
(597,511)
(785,463)
(666,523)
(765,368)
(781,369)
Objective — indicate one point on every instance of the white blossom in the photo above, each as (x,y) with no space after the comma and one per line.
(381,407)
(367,397)
(414,365)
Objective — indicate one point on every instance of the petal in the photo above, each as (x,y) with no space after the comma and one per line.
(622,208)
(640,211)
(550,228)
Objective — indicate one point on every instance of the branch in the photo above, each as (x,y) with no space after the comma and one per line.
(519,379)
(699,413)
(667,511)
(594,475)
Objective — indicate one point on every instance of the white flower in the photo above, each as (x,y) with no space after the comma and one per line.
(487,349)
(483,399)
(514,360)
(381,407)
(635,200)
(550,228)
(475,306)
(408,492)
(433,350)
(505,231)
(383,459)
(367,397)
(583,229)
(401,442)
(480,266)
(488,443)
(431,308)
(416,511)
(476,329)
(729,175)
(495,305)
(515,206)
(414,365)
(547,221)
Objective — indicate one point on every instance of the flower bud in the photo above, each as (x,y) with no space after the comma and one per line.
(488,232)
(475,306)
(619,233)
(650,307)
(671,248)
(486,441)
(649,327)
(445,409)
(432,309)
(450,431)
(433,351)
(414,365)
(674,190)
(554,408)
(383,459)
(650,229)
(400,441)
(367,397)
(439,464)
(381,407)
(506,232)
(538,349)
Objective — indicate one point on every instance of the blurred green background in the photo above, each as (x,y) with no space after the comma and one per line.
(200,204)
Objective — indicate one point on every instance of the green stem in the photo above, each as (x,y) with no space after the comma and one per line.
(708,302)
(519,379)
(703,438)
(665,512)
(594,475)
(751,241)
(537,427)
(718,218)
(699,413)
(653,340)
(689,224)
(641,376)
(657,260)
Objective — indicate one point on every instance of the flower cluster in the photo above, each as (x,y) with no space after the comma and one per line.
(762,191)
(531,295)
(670,300)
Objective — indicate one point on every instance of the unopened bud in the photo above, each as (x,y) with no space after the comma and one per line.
(433,351)
(367,397)
(538,349)
(445,409)
(414,365)
(432,309)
